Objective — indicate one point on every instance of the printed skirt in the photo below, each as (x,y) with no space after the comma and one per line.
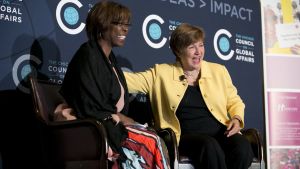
(144,149)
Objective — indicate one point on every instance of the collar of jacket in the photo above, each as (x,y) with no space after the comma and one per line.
(206,71)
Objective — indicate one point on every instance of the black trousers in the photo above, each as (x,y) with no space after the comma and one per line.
(220,152)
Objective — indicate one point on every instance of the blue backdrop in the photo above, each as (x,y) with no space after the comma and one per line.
(42,36)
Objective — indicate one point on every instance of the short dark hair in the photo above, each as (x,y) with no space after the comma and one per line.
(102,15)
(183,36)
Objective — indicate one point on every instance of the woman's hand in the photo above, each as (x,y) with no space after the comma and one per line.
(116,118)
(125,120)
(63,112)
(234,127)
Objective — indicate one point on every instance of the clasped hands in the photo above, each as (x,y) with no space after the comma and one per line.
(233,127)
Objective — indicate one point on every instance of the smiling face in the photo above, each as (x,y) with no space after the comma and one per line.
(106,18)
(116,35)
(187,44)
(192,56)
(108,23)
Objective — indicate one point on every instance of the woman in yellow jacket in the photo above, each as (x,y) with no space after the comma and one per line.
(198,101)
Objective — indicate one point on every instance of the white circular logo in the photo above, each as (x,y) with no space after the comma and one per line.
(71,16)
(222,44)
(154,31)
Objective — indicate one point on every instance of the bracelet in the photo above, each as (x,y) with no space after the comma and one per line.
(108,118)
(237,119)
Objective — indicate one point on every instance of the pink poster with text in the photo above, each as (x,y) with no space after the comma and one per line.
(284,118)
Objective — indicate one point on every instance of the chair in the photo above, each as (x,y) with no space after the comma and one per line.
(177,161)
(70,144)
(140,110)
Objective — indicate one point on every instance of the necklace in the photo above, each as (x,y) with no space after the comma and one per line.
(193,74)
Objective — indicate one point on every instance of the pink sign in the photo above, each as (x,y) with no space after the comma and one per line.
(284,118)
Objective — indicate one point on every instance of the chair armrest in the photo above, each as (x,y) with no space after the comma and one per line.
(253,136)
(169,137)
(76,140)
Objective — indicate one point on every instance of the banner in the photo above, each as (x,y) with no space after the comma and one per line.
(282,89)
(42,36)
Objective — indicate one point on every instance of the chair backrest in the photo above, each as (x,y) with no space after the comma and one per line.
(253,136)
(140,109)
(70,144)
(46,97)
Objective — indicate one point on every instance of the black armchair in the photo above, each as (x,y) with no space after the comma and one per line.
(67,144)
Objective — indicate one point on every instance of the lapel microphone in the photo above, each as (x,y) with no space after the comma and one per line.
(182,77)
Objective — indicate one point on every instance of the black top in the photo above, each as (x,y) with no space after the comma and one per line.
(90,85)
(92,89)
(194,115)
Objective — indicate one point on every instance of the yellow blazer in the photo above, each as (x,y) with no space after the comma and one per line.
(166,88)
